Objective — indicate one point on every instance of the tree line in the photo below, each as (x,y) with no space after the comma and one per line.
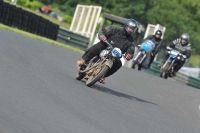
(178,16)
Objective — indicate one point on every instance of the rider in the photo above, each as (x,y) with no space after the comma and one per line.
(183,45)
(156,38)
(120,37)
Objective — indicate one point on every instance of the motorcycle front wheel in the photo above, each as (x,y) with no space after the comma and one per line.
(95,77)
(164,69)
(79,76)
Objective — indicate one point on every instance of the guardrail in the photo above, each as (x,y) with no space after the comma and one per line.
(73,39)
(180,77)
(194,82)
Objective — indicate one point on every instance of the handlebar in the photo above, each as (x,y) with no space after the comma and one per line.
(169,48)
(184,56)
(108,43)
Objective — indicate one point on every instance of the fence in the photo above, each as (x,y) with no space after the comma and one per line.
(73,39)
(13,16)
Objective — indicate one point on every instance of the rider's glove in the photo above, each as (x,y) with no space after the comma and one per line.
(108,48)
(184,56)
(128,56)
(103,38)
(169,48)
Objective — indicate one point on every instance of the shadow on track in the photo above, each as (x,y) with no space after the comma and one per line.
(116,93)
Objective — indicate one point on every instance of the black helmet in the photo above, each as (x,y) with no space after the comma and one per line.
(185,37)
(131,23)
(158,32)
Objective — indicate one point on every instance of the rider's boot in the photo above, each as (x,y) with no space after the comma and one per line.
(102,80)
(80,62)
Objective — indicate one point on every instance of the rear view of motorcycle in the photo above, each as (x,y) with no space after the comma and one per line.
(142,57)
(98,66)
(168,67)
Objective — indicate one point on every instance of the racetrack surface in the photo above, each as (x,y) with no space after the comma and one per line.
(39,94)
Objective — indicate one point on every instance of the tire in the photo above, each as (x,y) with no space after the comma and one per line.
(163,70)
(92,80)
(166,76)
(161,74)
(134,64)
(136,61)
(79,76)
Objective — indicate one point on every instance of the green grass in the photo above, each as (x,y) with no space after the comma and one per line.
(194,61)
(41,38)
(54,20)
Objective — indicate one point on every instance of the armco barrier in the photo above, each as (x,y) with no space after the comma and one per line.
(154,69)
(73,39)
(180,77)
(13,16)
(194,82)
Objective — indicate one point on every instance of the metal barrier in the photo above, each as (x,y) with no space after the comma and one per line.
(194,82)
(73,39)
(180,77)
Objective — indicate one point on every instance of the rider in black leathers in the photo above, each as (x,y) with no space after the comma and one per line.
(156,38)
(120,37)
(183,45)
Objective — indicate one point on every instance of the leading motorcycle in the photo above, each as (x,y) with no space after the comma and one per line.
(99,65)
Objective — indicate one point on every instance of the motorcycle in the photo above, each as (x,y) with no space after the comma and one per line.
(144,51)
(99,65)
(167,68)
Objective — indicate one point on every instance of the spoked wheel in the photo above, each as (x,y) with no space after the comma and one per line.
(97,74)
(163,74)
(164,70)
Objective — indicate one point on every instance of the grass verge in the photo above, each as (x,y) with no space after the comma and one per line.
(41,38)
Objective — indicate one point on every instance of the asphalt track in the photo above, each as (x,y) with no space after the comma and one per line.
(39,94)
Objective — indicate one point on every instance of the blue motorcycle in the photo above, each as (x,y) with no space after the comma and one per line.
(168,67)
(142,58)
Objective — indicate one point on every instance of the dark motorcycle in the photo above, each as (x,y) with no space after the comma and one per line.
(99,65)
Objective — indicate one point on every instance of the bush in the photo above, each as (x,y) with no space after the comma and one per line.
(194,61)
(67,18)
(34,5)
(22,2)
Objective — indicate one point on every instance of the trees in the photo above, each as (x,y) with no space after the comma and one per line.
(178,16)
